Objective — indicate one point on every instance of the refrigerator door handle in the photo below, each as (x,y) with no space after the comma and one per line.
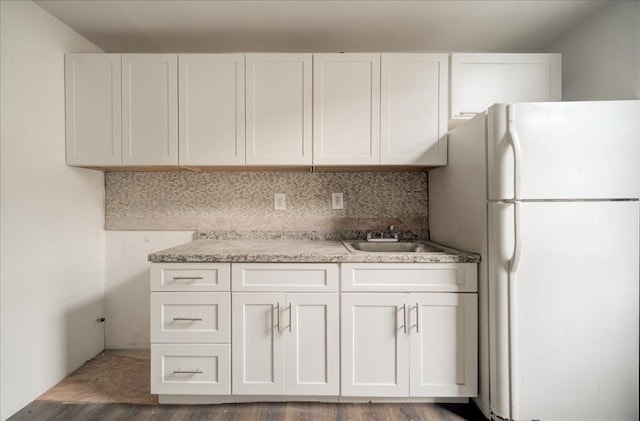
(514,141)
(517,247)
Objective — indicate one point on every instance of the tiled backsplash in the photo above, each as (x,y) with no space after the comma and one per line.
(244,201)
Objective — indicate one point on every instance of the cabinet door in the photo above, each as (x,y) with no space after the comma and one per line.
(346,109)
(211,99)
(150,109)
(375,345)
(258,363)
(278,109)
(414,107)
(444,343)
(93,117)
(313,365)
(479,80)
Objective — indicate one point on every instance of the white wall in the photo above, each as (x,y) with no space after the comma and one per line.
(127,283)
(51,226)
(601,56)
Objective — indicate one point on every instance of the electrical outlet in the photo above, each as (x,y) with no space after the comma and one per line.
(337,201)
(279,201)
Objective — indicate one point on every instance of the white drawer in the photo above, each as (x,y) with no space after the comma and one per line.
(285,277)
(190,276)
(410,277)
(191,369)
(197,317)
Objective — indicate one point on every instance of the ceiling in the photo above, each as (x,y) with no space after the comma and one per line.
(321,26)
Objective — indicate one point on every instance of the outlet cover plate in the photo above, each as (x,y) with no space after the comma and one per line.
(279,201)
(337,201)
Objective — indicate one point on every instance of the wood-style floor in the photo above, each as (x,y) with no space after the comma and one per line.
(115,386)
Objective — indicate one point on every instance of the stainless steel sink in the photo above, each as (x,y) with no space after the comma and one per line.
(399,247)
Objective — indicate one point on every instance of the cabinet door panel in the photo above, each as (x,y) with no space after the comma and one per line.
(312,344)
(479,80)
(258,344)
(211,97)
(278,109)
(285,277)
(346,112)
(414,107)
(150,109)
(403,277)
(444,346)
(93,116)
(375,347)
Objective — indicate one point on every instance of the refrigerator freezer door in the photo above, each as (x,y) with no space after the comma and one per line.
(568,150)
(573,309)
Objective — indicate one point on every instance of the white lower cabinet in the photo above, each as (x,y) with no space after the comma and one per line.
(284,329)
(375,348)
(443,354)
(285,344)
(190,323)
(409,345)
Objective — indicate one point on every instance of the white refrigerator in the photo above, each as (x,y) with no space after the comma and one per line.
(547,193)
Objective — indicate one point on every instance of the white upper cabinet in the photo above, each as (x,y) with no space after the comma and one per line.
(278,106)
(211,109)
(479,80)
(414,107)
(346,109)
(93,118)
(150,109)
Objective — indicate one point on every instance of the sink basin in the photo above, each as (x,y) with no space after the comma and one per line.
(399,247)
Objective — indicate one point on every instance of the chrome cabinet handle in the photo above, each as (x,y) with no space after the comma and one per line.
(278,314)
(289,317)
(404,317)
(273,310)
(417,318)
(186,278)
(187,319)
(196,371)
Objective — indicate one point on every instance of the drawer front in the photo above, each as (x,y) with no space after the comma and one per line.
(196,317)
(191,369)
(285,277)
(190,276)
(410,277)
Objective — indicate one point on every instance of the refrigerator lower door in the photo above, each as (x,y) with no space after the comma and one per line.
(566,150)
(572,313)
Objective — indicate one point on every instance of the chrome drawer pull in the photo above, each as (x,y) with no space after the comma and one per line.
(417,317)
(187,278)
(187,319)
(196,371)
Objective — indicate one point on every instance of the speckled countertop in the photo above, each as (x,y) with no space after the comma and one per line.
(296,251)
